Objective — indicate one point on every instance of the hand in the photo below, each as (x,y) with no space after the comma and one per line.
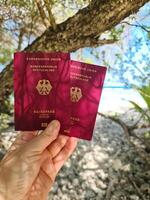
(28,170)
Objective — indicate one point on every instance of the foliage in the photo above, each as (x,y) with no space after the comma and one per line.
(6,54)
(115,33)
(4,119)
(21,23)
(128,59)
(144,91)
(7,107)
(17,16)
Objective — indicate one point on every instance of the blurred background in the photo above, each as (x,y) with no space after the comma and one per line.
(115,165)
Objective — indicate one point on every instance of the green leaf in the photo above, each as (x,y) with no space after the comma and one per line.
(140,110)
(145,93)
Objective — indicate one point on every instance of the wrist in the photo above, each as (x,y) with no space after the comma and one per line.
(1,196)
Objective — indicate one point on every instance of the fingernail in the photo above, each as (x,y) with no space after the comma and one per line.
(55,124)
(74,140)
(53,128)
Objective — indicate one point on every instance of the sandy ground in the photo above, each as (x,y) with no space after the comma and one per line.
(105,168)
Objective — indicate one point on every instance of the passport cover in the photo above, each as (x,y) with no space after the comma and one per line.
(41,90)
(86,82)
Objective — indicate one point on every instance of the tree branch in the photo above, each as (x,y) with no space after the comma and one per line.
(76,32)
(87,23)
(142,154)
(20,38)
(92,42)
(136,25)
(48,5)
(42,13)
(96,43)
(131,179)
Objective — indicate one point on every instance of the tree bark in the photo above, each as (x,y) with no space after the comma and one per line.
(81,30)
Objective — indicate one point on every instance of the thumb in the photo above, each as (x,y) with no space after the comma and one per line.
(39,143)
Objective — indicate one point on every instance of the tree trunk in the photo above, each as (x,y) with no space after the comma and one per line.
(81,30)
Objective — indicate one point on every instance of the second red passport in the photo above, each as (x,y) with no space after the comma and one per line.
(41,90)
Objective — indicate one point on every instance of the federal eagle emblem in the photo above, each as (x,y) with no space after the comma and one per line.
(44,87)
(75,94)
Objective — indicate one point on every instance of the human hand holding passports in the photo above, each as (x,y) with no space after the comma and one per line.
(30,167)
(50,86)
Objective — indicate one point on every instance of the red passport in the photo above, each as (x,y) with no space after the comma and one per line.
(49,86)
(86,83)
(41,90)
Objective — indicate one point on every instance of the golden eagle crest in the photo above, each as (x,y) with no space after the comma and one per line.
(75,94)
(44,87)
